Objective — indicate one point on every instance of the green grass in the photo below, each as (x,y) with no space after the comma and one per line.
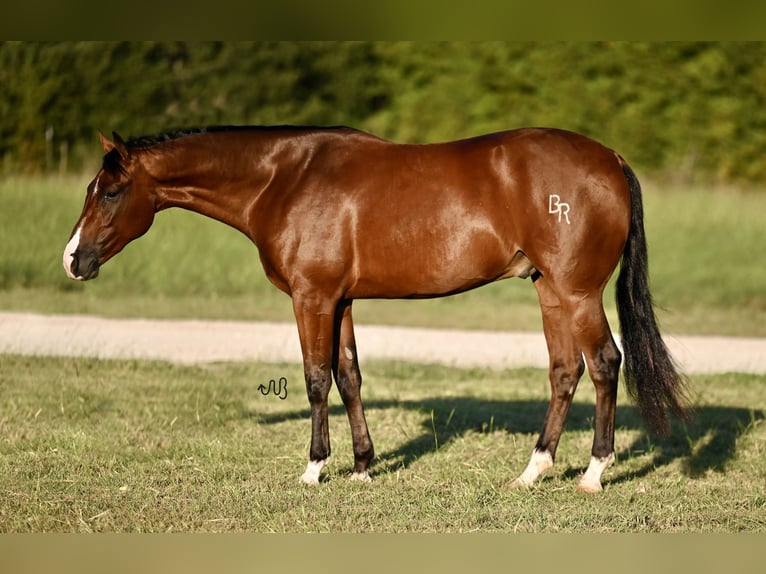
(707,259)
(153,447)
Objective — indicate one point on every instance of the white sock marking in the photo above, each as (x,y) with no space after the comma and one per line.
(69,250)
(539,463)
(591,480)
(311,474)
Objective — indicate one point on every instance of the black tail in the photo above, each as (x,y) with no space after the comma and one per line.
(651,377)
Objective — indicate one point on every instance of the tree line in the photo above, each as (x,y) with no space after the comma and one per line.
(687,111)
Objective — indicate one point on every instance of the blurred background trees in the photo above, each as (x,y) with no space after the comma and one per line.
(686,112)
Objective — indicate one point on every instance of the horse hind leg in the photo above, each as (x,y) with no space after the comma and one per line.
(603,359)
(348,379)
(566,369)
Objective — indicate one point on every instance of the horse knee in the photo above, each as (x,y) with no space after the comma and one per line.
(565,375)
(317,385)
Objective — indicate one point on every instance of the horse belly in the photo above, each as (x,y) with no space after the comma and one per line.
(430,263)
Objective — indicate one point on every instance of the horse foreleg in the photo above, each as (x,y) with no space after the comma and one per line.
(349,381)
(315,330)
(566,368)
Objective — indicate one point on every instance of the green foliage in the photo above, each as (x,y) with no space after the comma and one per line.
(690,111)
(148,87)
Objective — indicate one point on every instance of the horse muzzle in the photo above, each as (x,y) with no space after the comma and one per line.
(82,266)
(79,263)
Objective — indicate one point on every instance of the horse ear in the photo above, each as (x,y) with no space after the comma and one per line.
(106,143)
(120,145)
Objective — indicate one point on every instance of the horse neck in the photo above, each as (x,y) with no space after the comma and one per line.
(219,180)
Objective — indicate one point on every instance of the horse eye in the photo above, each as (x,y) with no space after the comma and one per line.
(111,194)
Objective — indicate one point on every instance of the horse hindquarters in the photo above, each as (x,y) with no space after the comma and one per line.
(575,252)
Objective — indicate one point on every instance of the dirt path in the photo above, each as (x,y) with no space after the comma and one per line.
(192,341)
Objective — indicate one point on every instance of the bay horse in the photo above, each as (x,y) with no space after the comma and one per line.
(339,214)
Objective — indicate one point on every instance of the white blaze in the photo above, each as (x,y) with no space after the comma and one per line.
(69,250)
(74,243)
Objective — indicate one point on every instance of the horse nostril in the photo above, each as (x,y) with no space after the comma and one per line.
(92,271)
(84,265)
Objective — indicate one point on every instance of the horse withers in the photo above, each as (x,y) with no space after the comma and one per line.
(338,214)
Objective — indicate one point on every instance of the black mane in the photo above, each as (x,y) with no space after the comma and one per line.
(148,141)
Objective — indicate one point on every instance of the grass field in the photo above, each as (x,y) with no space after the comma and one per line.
(707,260)
(152,447)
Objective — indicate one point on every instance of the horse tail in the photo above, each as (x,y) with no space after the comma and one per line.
(651,377)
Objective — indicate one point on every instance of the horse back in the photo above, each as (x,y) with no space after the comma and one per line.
(378,219)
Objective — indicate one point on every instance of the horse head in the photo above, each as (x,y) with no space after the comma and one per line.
(119,207)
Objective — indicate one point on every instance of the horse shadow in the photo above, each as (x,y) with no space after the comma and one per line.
(705,443)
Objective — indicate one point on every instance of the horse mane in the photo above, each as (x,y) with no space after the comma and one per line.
(113,160)
(148,141)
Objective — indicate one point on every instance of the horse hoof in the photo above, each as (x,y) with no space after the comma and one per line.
(589,487)
(520,484)
(361,477)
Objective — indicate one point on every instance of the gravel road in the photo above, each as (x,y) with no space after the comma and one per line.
(193,341)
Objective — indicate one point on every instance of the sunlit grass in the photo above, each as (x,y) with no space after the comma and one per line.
(151,447)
